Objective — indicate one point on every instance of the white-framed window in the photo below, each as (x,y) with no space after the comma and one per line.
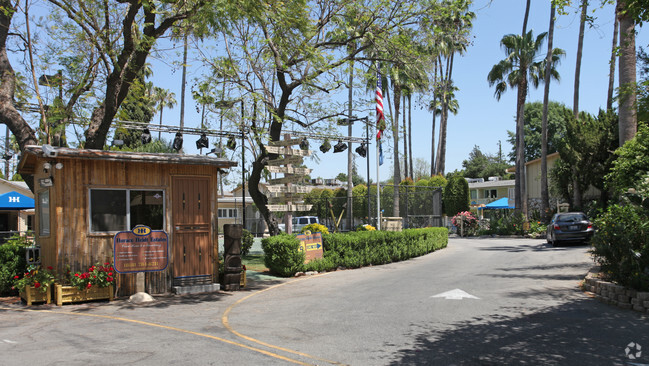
(228,213)
(474,194)
(44,213)
(113,210)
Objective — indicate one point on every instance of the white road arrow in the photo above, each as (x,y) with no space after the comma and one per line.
(456,294)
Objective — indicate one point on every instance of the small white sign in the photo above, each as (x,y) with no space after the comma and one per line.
(456,294)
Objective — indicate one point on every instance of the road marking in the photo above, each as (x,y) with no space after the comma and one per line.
(264,352)
(226,324)
(8,341)
(456,294)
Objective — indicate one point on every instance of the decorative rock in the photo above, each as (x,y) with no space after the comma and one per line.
(624,299)
(624,306)
(140,297)
(631,293)
(639,308)
(643,296)
(635,301)
(646,304)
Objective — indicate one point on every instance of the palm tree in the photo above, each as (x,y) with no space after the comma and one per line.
(545,197)
(611,74)
(628,121)
(516,70)
(163,98)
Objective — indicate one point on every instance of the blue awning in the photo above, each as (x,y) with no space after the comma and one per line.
(498,204)
(15,201)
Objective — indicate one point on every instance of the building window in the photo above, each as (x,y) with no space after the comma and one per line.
(490,193)
(474,194)
(44,213)
(228,213)
(113,210)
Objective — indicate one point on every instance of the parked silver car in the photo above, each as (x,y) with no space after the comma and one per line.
(569,226)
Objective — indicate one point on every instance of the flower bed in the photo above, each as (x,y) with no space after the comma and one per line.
(70,294)
(31,294)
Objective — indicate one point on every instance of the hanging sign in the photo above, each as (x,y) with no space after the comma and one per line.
(295,160)
(286,189)
(141,250)
(287,179)
(288,208)
(289,170)
(287,151)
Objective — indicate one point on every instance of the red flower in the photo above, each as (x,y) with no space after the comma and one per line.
(37,285)
(16,277)
(110,273)
(50,268)
(109,279)
(89,285)
(76,275)
(106,264)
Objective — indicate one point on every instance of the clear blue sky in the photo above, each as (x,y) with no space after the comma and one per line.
(482,120)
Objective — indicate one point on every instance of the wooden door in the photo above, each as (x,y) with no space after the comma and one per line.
(192,237)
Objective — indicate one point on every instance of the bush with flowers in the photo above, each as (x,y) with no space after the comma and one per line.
(37,277)
(315,228)
(97,275)
(467,221)
(365,227)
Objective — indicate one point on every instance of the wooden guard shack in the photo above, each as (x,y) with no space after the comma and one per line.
(85,197)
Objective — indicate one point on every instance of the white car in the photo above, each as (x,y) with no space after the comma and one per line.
(299,222)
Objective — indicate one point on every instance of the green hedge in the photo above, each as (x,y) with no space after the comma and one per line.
(353,249)
(12,262)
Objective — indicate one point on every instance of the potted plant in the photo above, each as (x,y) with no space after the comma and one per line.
(34,285)
(94,284)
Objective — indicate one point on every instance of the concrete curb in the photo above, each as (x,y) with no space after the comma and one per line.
(616,295)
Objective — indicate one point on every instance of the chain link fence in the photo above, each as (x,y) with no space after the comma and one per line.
(418,206)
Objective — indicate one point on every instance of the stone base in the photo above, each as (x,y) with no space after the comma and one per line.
(196,289)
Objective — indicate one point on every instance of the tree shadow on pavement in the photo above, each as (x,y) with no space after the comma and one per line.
(581,332)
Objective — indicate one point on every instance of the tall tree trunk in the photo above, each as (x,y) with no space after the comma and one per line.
(545,197)
(405,139)
(576,189)
(410,134)
(441,147)
(9,116)
(433,169)
(611,73)
(395,135)
(580,48)
(184,84)
(350,162)
(526,17)
(628,122)
(520,194)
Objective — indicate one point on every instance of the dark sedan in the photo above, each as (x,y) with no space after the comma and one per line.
(569,226)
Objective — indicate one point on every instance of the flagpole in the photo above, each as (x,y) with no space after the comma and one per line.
(378,188)
(379,116)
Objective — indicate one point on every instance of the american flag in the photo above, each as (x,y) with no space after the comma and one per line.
(379,106)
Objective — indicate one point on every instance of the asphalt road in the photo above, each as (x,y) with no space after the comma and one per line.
(477,302)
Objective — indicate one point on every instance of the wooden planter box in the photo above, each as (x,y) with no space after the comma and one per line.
(70,294)
(31,295)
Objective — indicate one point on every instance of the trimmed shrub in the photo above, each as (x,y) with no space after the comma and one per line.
(12,262)
(456,195)
(621,245)
(353,249)
(282,256)
(246,241)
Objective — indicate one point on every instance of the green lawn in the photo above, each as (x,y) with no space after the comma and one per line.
(254,262)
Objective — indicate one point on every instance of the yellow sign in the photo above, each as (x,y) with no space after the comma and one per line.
(311,246)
